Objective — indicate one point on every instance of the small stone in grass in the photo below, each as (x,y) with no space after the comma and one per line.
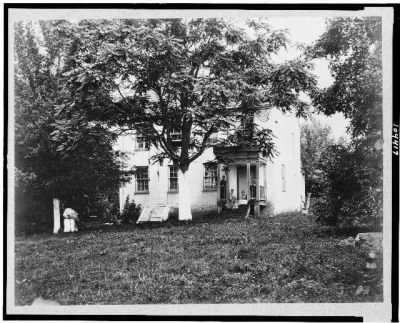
(372,255)
(347,242)
(370,239)
(371,265)
(359,290)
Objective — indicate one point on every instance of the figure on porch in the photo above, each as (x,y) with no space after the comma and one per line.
(232,202)
(223,188)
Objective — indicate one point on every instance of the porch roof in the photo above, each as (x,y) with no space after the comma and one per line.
(237,154)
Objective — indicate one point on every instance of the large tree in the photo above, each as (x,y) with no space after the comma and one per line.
(43,170)
(353,47)
(198,76)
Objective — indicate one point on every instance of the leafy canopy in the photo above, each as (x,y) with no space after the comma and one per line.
(353,47)
(43,169)
(201,76)
(352,174)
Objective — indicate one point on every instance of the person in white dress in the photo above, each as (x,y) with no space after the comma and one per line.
(70,219)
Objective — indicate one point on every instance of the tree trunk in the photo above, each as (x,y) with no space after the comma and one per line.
(185,205)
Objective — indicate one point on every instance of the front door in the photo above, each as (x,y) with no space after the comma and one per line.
(242,183)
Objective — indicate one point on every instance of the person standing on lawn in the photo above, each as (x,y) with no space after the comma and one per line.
(70,220)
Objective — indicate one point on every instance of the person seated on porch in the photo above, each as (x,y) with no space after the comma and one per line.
(232,202)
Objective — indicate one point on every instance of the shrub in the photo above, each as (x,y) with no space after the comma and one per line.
(351,192)
(131,211)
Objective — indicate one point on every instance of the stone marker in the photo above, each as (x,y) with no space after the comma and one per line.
(372,255)
(372,241)
(347,242)
(359,290)
(371,265)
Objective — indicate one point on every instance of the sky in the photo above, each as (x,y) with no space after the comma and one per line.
(307,30)
(304,30)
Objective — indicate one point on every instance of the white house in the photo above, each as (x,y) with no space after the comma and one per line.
(278,183)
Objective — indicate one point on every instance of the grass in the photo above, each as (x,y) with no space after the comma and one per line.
(210,260)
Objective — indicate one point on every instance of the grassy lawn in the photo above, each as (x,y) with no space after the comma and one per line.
(288,258)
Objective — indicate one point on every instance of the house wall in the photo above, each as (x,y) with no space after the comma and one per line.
(287,131)
(159,178)
(286,128)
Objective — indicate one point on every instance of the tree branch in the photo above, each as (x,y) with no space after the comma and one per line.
(203,144)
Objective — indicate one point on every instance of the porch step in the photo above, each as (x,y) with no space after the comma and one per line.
(242,209)
(154,214)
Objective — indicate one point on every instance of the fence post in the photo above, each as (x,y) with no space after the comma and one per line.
(56,215)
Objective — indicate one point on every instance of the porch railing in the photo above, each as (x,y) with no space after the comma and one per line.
(253,192)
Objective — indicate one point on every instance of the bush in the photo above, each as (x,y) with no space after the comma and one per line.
(351,194)
(33,213)
(104,206)
(131,211)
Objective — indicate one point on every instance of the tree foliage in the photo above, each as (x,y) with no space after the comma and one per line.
(43,171)
(200,77)
(349,196)
(197,76)
(353,47)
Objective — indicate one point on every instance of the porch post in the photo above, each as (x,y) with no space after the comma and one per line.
(248,181)
(265,182)
(219,206)
(257,204)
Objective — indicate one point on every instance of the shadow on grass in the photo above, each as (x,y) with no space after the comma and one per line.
(341,232)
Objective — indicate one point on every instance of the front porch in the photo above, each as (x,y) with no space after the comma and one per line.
(241,179)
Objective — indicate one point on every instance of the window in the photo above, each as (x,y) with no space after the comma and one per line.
(176,135)
(142,179)
(141,142)
(283,179)
(173,178)
(210,176)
